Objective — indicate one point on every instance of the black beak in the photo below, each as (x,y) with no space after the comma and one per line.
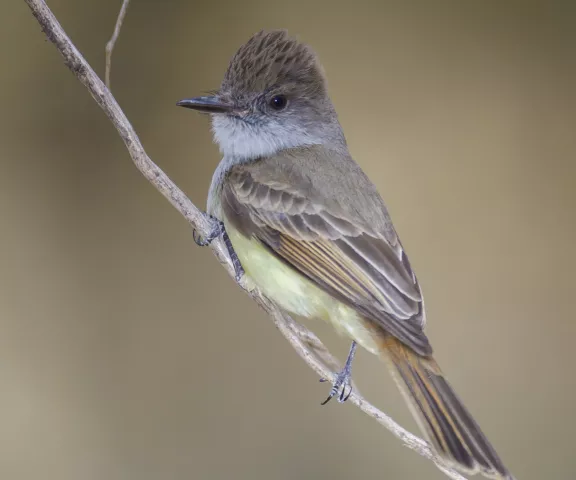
(206,104)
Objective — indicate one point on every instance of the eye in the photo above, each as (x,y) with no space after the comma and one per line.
(278,102)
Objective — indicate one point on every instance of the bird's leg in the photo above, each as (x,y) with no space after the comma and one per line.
(343,379)
(216,231)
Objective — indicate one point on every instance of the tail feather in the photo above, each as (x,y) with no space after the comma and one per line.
(442,416)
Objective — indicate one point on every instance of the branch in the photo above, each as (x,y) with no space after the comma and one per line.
(306,343)
(112,42)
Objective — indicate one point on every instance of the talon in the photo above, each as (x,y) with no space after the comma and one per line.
(343,380)
(217,229)
(332,393)
(198,239)
(343,398)
(341,386)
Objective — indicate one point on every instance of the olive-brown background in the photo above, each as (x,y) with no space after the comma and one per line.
(127,353)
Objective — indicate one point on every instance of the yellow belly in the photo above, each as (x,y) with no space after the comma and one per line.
(294,293)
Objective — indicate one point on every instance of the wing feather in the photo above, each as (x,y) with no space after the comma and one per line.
(361,268)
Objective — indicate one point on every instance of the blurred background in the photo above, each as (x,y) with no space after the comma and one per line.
(126,352)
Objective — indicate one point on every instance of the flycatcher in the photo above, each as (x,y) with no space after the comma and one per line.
(306,226)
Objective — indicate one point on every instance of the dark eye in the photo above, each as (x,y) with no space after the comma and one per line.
(279,102)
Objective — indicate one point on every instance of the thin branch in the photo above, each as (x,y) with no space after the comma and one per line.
(306,343)
(112,43)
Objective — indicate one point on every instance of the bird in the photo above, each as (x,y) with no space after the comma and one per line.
(305,225)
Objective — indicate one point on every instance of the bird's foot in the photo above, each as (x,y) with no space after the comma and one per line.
(343,381)
(217,230)
(342,386)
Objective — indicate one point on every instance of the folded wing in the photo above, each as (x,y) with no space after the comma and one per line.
(356,265)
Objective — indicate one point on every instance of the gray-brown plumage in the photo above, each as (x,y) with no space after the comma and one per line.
(273,59)
(313,233)
(344,243)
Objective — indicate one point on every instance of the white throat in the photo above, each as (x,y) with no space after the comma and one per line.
(245,141)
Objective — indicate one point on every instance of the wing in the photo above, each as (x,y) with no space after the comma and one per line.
(323,241)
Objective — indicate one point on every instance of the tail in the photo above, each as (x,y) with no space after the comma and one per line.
(441,415)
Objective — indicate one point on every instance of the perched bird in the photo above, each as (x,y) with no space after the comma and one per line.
(307,227)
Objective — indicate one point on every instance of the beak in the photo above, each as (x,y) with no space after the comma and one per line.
(206,104)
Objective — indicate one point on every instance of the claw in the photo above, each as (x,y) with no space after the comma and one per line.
(198,239)
(343,397)
(343,380)
(328,399)
(341,384)
(218,230)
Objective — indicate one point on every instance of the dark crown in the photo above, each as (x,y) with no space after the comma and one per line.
(272,59)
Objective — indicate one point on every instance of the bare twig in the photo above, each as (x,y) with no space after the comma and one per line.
(306,344)
(112,43)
